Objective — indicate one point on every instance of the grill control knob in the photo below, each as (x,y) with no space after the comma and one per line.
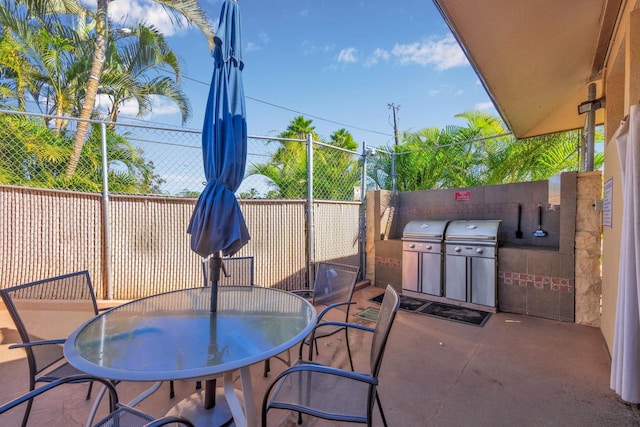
(479,251)
(429,247)
(457,249)
(412,245)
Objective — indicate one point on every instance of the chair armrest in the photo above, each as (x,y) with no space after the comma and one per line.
(341,324)
(332,306)
(170,419)
(74,379)
(315,367)
(302,291)
(36,343)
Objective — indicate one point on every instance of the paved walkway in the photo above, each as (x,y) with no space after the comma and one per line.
(513,371)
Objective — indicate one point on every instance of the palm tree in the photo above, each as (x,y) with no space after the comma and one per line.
(481,153)
(287,168)
(335,171)
(126,72)
(179,9)
(31,154)
(18,72)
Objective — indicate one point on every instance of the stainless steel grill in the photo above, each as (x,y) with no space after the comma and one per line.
(471,261)
(422,256)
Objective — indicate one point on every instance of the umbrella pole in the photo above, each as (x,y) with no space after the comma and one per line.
(215,265)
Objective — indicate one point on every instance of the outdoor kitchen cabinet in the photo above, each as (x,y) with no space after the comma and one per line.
(471,261)
(422,270)
(422,256)
(470,277)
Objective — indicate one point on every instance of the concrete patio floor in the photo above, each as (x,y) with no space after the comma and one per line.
(515,370)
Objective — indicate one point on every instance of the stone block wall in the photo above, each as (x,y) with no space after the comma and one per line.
(555,277)
(588,249)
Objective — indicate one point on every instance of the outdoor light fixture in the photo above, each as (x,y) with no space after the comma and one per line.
(587,106)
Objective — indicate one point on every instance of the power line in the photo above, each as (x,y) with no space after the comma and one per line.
(299,112)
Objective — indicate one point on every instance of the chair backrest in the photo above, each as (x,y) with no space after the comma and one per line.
(237,271)
(334,283)
(386,316)
(49,309)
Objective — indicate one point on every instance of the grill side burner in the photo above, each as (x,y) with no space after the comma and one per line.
(471,261)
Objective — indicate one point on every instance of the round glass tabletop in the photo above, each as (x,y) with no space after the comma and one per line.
(175,336)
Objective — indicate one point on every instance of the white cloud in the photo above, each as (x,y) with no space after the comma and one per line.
(250,47)
(378,54)
(311,48)
(444,53)
(132,11)
(348,55)
(484,106)
(160,106)
(264,37)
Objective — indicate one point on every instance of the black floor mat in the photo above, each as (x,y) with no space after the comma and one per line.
(456,313)
(406,303)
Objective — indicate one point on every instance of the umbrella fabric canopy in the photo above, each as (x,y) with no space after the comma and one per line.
(625,360)
(217,224)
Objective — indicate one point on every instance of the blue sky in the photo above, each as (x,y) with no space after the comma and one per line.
(339,60)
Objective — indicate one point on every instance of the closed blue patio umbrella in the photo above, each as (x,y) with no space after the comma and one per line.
(217,225)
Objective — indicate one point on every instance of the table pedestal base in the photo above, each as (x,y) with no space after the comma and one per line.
(192,407)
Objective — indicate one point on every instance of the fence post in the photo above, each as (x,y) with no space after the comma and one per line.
(363,209)
(310,220)
(393,172)
(105,215)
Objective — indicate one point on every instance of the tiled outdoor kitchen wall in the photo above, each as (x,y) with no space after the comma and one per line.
(555,277)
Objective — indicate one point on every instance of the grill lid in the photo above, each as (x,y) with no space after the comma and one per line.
(480,229)
(425,229)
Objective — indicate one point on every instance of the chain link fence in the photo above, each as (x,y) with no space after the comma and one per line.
(154,175)
(35,152)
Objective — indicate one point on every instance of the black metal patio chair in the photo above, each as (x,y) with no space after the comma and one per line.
(238,271)
(333,289)
(45,312)
(119,415)
(331,393)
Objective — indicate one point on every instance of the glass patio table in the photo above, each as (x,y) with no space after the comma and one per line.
(174,336)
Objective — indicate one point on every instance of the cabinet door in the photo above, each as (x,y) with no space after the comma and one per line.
(431,274)
(483,281)
(410,271)
(455,277)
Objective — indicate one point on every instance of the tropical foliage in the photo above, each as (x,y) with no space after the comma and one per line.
(49,51)
(335,170)
(61,55)
(481,153)
(33,155)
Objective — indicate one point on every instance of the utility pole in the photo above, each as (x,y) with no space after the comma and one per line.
(395,108)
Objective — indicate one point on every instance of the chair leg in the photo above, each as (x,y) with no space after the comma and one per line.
(172,392)
(89,390)
(27,411)
(384,420)
(346,337)
(267,367)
